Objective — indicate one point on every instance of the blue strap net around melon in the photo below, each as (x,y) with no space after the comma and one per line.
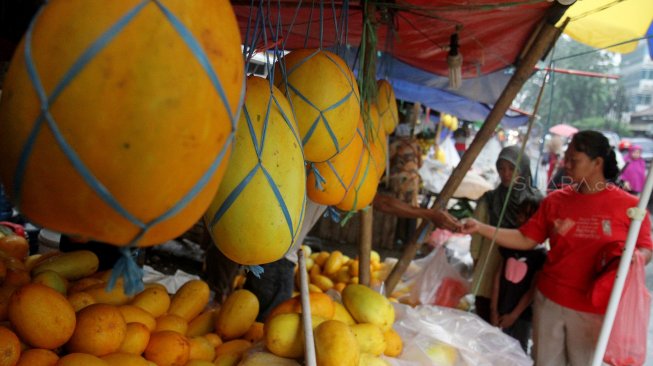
(259,146)
(128,268)
(321,117)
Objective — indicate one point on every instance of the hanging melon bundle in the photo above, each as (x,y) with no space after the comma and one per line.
(362,192)
(324,95)
(376,139)
(387,106)
(117,117)
(258,210)
(327,183)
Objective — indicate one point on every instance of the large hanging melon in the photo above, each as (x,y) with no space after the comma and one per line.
(387,106)
(324,94)
(338,174)
(140,99)
(259,208)
(362,192)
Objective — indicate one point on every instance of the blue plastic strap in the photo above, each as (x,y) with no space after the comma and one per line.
(319,179)
(233,195)
(282,203)
(288,122)
(127,268)
(201,56)
(335,172)
(256,270)
(332,213)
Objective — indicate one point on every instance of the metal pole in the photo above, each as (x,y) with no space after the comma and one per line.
(637,215)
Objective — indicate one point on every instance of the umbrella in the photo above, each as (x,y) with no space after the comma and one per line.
(563,130)
(603,23)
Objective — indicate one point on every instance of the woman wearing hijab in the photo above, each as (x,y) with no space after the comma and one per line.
(487,258)
(633,173)
(581,221)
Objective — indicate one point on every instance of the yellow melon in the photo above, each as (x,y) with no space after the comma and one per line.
(266,175)
(151,121)
(284,335)
(237,314)
(377,143)
(171,322)
(335,345)
(190,299)
(9,347)
(202,324)
(168,348)
(38,357)
(230,353)
(124,359)
(324,94)
(154,300)
(80,300)
(132,313)
(81,359)
(388,113)
(137,336)
(337,174)
(362,192)
(393,343)
(100,330)
(41,316)
(368,306)
(201,349)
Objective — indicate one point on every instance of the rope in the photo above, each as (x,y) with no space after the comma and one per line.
(126,266)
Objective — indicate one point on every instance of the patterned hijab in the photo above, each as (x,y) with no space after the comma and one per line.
(522,190)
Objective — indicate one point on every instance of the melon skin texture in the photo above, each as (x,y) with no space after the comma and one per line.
(323,91)
(142,119)
(266,174)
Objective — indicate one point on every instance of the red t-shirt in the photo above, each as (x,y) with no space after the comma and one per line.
(578,226)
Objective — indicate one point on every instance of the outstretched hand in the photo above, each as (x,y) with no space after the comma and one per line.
(469,226)
(444,220)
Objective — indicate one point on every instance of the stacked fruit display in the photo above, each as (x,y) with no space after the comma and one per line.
(55,310)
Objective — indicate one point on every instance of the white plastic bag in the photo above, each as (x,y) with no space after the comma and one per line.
(432,332)
(439,283)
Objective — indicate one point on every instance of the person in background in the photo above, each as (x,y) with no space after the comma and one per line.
(486,257)
(580,221)
(633,174)
(460,137)
(554,148)
(514,283)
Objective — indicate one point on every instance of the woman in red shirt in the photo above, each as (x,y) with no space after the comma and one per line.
(580,221)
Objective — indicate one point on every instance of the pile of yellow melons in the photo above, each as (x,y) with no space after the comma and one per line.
(334,270)
(55,310)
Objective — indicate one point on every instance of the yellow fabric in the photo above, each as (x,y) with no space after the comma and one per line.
(618,21)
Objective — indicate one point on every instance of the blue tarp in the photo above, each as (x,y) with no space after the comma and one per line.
(471,102)
(649,34)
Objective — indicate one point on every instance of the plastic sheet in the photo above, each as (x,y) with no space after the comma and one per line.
(438,336)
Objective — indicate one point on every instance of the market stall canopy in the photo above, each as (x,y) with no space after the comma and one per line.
(603,23)
(492,33)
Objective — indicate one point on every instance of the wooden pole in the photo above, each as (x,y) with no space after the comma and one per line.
(309,343)
(369,76)
(546,36)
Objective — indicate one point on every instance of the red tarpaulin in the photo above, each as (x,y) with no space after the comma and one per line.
(492,32)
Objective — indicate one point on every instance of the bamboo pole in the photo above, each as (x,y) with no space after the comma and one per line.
(369,76)
(546,37)
(309,343)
